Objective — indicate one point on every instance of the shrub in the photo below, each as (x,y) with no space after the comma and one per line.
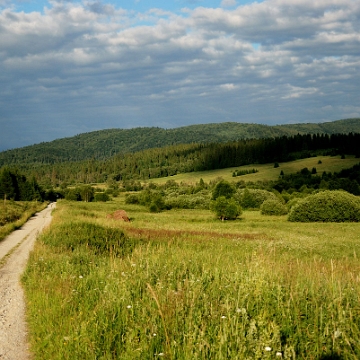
(131,199)
(184,201)
(253,198)
(153,208)
(327,206)
(72,194)
(101,197)
(223,188)
(273,207)
(225,209)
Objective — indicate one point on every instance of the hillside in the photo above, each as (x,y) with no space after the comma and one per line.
(103,144)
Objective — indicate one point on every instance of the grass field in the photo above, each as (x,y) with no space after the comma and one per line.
(267,171)
(13,214)
(183,285)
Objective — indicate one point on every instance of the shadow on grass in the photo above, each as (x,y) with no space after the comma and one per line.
(331,357)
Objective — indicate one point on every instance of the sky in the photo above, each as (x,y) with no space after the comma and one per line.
(69,67)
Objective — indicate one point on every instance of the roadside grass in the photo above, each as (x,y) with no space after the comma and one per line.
(267,171)
(187,286)
(14,214)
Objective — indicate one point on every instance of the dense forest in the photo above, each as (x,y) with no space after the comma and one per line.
(15,186)
(172,160)
(104,144)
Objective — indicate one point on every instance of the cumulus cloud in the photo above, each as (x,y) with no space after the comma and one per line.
(91,65)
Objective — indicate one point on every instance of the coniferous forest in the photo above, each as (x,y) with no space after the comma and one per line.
(172,160)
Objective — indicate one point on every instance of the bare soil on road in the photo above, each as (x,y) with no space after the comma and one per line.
(14,253)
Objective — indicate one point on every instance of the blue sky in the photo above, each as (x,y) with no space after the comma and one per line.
(68,67)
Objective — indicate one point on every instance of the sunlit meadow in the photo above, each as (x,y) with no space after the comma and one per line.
(183,285)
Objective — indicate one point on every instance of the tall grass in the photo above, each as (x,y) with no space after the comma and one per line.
(14,214)
(182,285)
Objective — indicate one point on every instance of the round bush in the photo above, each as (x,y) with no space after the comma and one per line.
(131,199)
(327,206)
(225,209)
(273,207)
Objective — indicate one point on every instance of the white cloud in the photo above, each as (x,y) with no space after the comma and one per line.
(77,59)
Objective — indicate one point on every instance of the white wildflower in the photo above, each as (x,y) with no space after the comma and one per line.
(241,311)
(279,354)
(267,348)
(129,306)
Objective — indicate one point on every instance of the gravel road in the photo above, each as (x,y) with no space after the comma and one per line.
(13,336)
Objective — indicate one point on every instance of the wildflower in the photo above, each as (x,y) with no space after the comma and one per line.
(223,317)
(241,311)
(279,354)
(129,306)
(267,348)
(154,334)
(80,277)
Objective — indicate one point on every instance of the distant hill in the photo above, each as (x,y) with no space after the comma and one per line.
(103,144)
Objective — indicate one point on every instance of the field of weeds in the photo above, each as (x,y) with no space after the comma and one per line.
(183,285)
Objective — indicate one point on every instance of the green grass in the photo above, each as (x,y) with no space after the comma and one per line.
(184,285)
(13,214)
(267,171)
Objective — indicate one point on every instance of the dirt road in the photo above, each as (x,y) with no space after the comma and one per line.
(13,337)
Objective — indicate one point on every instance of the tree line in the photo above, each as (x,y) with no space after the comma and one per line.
(171,160)
(15,186)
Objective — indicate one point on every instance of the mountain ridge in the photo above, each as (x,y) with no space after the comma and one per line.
(103,144)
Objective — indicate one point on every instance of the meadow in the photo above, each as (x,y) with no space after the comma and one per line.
(268,171)
(181,284)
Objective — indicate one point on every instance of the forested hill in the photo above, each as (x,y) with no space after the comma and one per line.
(103,144)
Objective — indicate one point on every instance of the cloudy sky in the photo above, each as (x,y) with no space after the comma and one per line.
(68,67)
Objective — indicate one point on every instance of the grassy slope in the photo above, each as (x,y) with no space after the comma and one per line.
(267,171)
(193,287)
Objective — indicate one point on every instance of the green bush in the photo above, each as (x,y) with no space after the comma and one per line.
(131,199)
(273,207)
(153,208)
(223,188)
(327,206)
(197,201)
(225,209)
(253,198)
(101,197)
(72,194)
